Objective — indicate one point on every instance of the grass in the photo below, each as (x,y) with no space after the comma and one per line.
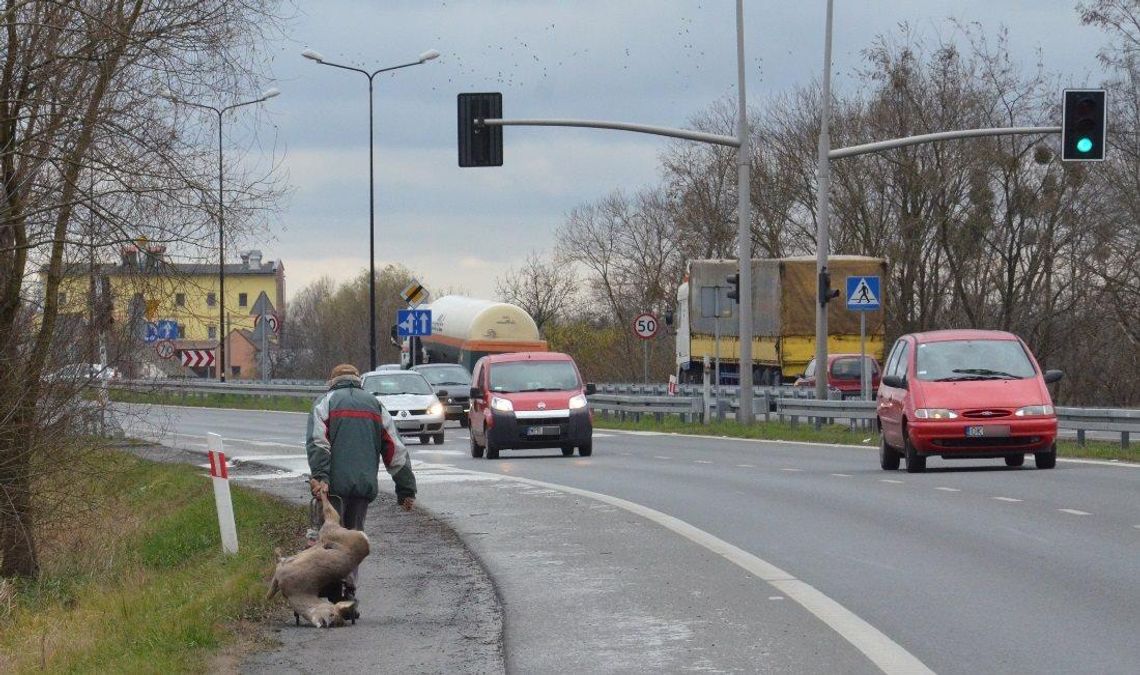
(237,401)
(805,432)
(140,584)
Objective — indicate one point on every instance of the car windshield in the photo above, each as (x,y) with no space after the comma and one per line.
(447,375)
(848,369)
(389,384)
(534,376)
(973,360)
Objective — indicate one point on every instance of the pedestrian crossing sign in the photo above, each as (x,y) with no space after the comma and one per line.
(863,294)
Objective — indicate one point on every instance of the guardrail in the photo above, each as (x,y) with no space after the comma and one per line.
(628,401)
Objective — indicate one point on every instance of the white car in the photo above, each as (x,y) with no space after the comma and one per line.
(411,402)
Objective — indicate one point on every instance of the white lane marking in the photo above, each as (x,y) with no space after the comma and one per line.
(947,489)
(1075,512)
(775,597)
(746,466)
(597,435)
(423,451)
(841,475)
(661,457)
(267,476)
(792,470)
(1137,527)
(892,482)
(263,458)
(884,652)
(701,461)
(1007,499)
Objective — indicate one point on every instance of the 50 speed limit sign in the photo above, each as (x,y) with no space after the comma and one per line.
(645,326)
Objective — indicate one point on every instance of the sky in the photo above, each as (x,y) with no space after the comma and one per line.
(653,62)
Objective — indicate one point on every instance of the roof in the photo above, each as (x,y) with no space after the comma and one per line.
(962,334)
(189,269)
(527,356)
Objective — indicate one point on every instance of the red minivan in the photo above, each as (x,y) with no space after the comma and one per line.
(529,400)
(965,394)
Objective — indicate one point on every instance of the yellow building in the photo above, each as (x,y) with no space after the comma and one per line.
(144,287)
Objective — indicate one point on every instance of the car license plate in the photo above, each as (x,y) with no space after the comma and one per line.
(407,426)
(988,431)
(542,431)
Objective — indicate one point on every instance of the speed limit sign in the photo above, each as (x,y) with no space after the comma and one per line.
(645,326)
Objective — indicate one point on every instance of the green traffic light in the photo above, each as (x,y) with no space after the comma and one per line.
(1084,145)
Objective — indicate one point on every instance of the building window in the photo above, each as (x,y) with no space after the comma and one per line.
(211,299)
(212,333)
(180,299)
(243,300)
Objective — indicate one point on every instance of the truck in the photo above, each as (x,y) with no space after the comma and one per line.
(784,298)
(465,329)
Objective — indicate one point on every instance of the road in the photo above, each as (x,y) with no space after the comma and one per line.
(970,567)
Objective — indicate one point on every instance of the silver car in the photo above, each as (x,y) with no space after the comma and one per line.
(411,402)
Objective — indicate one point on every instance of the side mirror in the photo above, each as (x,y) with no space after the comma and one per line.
(441,393)
(476,392)
(1052,376)
(591,389)
(894,381)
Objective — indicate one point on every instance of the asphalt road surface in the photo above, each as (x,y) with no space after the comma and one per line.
(970,567)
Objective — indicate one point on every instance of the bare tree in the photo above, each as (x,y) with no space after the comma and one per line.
(546,288)
(87,137)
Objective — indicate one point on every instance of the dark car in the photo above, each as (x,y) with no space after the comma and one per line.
(456,381)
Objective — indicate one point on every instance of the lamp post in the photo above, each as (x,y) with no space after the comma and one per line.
(823,210)
(424,58)
(266,95)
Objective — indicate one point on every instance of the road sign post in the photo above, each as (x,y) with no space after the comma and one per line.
(220,476)
(863,295)
(645,326)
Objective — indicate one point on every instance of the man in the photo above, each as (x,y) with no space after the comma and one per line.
(349,434)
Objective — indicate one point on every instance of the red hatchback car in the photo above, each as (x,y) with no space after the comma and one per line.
(964,394)
(529,400)
(843,374)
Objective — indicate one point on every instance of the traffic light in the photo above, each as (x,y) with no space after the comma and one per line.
(826,295)
(480,145)
(1082,131)
(734,292)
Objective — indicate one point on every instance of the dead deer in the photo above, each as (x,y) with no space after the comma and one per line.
(300,578)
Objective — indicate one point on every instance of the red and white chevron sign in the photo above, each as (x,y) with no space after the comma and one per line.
(197,358)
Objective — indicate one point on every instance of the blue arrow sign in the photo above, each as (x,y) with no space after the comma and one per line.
(413,322)
(167,329)
(150,333)
(863,294)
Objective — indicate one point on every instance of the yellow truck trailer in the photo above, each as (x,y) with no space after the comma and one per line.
(783,317)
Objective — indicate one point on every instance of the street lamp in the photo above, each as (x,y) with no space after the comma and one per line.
(265,96)
(423,58)
(823,208)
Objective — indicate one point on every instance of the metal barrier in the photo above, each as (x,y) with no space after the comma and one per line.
(635,400)
(1124,421)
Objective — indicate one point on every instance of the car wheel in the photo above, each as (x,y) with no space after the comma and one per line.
(438,438)
(492,451)
(888,456)
(476,449)
(1046,460)
(915,463)
(567,450)
(1014,460)
(586,449)
(424,439)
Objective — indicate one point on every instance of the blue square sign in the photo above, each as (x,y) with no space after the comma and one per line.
(863,294)
(413,322)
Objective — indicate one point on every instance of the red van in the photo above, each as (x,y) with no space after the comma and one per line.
(529,400)
(964,394)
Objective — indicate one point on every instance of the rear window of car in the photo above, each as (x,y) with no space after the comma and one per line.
(848,369)
(533,376)
(956,360)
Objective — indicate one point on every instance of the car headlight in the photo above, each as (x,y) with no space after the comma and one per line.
(1031,410)
(435,408)
(577,401)
(501,404)
(935,414)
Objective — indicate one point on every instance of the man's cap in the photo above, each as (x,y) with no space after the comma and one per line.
(344,369)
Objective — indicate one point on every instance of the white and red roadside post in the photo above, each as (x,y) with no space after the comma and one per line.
(221,477)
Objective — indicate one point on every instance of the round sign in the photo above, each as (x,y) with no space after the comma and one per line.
(645,326)
(274,323)
(165,349)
